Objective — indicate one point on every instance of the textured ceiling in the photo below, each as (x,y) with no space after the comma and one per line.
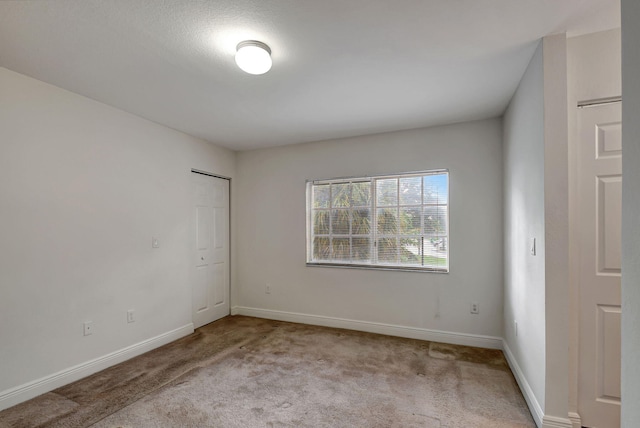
(340,67)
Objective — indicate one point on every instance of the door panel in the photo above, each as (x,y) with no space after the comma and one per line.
(203,227)
(609,231)
(599,223)
(219,222)
(219,284)
(210,247)
(609,353)
(609,139)
(201,289)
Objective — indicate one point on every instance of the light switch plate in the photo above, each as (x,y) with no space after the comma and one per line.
(88,328)
(155,243)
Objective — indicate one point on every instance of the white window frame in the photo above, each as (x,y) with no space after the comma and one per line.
(373,235)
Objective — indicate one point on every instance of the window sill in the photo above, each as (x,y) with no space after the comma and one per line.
(378,267)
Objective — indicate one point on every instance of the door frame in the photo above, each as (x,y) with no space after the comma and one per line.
(230,180)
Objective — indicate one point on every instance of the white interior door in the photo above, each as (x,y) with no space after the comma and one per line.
(210,248)
(600,194)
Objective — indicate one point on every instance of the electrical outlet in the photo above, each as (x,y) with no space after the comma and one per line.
(88,328)
(130,316)
(267,288)
(475,308)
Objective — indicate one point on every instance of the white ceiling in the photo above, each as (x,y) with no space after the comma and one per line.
(340,67)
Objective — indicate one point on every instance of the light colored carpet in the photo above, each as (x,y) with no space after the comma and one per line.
(247,372)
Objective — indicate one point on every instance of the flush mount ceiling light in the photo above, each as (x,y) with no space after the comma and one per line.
(253,57)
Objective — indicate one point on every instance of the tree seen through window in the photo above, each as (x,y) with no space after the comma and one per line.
(393,221)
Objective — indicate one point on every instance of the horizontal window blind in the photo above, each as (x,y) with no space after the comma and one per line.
(393,222)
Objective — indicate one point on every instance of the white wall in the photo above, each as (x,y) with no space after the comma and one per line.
(536,206)
(271,240)
(84,187)
(524,217)
(556,218)
(593,62)
(630,213)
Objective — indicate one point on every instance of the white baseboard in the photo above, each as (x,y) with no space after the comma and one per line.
(541,420)
(32,389)
(556,422)
(575,419)
(529,396)
(29,390)
(373,327)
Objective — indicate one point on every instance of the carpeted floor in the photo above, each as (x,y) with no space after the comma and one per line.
(248,372)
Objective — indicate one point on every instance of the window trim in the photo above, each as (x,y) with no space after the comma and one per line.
(373,235)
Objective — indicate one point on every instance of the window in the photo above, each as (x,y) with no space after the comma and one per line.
(392,222)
